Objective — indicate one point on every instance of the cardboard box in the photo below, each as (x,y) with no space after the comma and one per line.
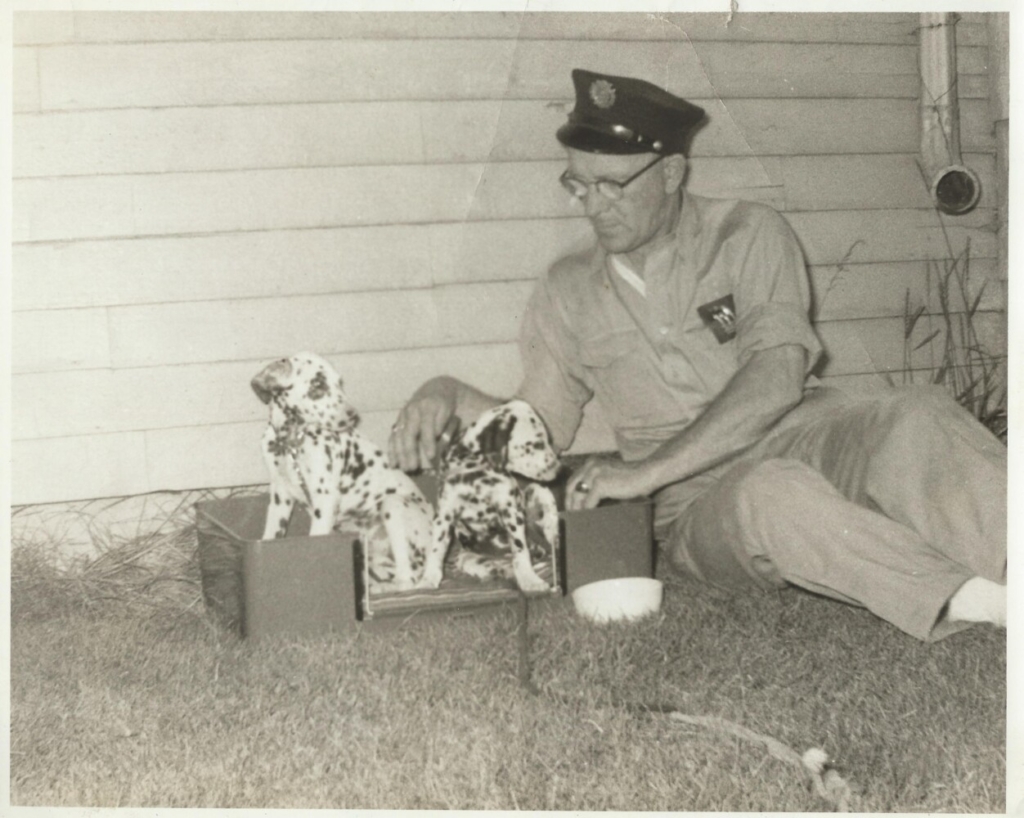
(301,585)
(610,541)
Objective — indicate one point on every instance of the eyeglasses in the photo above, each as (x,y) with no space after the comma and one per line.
(609,188)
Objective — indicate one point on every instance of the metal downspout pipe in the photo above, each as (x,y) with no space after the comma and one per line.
(954,188)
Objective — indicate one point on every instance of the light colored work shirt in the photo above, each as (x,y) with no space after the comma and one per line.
(731,281)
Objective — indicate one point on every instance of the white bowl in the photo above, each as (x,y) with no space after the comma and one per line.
(611,600)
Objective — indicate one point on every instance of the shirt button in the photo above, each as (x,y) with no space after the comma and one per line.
(663,330)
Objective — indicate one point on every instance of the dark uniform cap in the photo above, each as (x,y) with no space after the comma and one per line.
(626,115)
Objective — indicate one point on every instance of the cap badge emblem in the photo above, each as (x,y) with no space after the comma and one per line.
(602,93)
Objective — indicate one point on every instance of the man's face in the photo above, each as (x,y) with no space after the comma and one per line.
(646,205)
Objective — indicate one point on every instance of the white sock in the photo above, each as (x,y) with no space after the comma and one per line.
(978,600)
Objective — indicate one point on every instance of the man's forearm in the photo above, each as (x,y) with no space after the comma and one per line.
(468,401)
(768,386)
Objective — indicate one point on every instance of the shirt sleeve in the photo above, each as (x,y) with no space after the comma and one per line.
(552,380)
(773,296)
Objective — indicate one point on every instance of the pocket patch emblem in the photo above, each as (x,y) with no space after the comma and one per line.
(720,316)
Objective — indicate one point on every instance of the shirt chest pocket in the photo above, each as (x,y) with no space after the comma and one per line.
(619,373)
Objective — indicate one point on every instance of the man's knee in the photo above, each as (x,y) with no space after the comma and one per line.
(916,408)
(919,423)
(771,487)
(722,537)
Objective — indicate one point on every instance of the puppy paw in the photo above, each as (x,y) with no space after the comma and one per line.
(532,584)
(430,579)
(402,585)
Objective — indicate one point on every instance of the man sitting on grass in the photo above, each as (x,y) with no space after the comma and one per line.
(688,322)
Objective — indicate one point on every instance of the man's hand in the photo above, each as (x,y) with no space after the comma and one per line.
(603,478)
(768,386)
(413,441)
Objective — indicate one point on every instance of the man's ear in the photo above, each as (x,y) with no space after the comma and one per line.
(675,172)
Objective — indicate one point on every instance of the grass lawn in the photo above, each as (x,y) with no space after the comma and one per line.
(142,700)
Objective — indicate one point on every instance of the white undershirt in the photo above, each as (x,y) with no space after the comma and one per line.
(629,276)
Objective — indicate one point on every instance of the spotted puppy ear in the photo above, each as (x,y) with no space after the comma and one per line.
(530,450)
(493,440)
(272,380)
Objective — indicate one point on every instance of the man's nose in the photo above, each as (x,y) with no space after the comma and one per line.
(594,203)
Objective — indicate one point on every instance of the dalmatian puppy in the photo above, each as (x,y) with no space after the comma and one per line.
(316,458)
(492,524)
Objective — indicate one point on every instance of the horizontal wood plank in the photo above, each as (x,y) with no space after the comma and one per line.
(91,26)
(315,262)
(334,134)
(169,334)
(877,290)
(876,345)
(190,203)
(286,263)
(209,73)
(853,182)
(46,471)
(137,399)
(56,27)
(25,79)
(890,235)
(227,455)
(45,340)
(318,135)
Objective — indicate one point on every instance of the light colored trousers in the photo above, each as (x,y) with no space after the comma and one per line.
(887,501)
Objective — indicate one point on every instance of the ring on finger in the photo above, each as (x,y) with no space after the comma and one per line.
(583,487)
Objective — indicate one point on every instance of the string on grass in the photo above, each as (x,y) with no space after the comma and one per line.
(824,778)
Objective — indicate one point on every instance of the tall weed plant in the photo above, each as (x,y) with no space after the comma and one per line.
(956,357)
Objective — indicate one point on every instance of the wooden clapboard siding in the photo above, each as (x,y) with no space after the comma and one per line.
(169,140)
(77,77)
(212,331)
(198,193)
(875,345)
(184,394)
(62,275)
(154,334)
(49,27)
(890,235)
(218,392)
(286,262)
(45,340)
(25,91)
(166,459)
(150,205)
(878,290)
(79,467)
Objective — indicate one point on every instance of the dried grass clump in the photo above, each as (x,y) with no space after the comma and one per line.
(974,376)
(154,571)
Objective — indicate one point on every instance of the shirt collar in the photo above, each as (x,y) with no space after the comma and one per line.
(655,253)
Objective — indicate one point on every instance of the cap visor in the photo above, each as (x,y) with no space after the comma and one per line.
(584,138)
